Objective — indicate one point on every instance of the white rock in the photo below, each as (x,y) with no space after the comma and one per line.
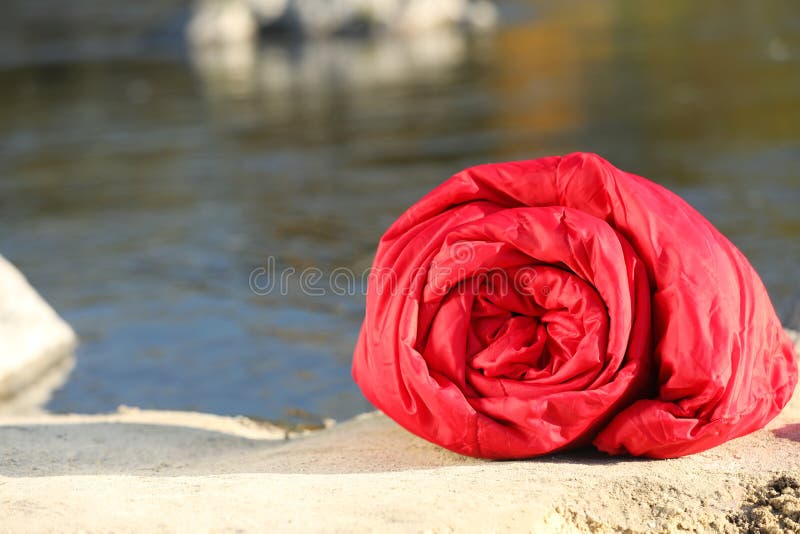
(409,17)
(226,21)
(220,22)
(33,338)
(424,15)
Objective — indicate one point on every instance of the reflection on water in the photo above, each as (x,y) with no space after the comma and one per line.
(140,186)
(315,67)
(31,399)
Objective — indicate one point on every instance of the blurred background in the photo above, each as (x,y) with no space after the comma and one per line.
(154,153)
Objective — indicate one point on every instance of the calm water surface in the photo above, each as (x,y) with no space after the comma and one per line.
(141,183)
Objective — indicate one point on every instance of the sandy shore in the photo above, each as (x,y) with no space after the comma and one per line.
(137,471)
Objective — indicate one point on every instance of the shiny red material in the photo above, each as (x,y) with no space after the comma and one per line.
(529,307)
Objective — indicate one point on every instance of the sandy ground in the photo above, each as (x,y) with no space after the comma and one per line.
(164,471)
(143,471)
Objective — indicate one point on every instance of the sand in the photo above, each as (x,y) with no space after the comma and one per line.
(137,471)
(140,471)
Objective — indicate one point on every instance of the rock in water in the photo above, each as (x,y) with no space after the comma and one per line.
(33,338)
(221,22)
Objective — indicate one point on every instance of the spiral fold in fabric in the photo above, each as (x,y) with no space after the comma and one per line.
(530,307)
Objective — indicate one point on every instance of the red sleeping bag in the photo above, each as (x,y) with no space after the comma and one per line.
(529,307)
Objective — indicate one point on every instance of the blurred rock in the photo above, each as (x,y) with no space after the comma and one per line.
(36,345)
(221,21)
(414,16)
(218,21)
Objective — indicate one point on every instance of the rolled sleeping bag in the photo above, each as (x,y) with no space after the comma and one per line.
(535,306)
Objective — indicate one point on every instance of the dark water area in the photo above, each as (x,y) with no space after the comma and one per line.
(142,182)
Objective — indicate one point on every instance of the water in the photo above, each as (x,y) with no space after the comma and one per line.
(141,183)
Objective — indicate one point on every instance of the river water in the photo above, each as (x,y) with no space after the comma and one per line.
(142,183)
